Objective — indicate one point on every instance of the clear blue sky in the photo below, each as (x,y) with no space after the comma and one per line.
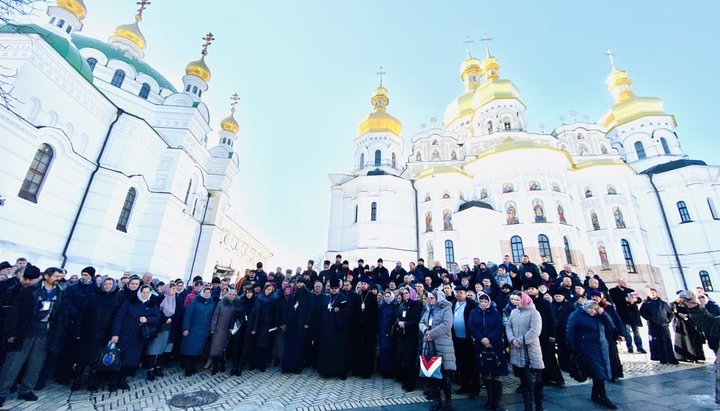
(306,69)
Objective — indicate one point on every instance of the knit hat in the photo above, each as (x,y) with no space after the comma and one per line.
(334,283)
(4,265)
(31,272)
(90,270)
(595,293)
(365,279)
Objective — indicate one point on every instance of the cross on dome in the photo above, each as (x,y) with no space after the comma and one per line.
(207,41)
(486,40)
(143,5)
(468,41)
(611,55)
(234,98)
(381,73)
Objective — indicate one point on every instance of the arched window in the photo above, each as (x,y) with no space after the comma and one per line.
(118,78)
(92,61)
(627,255)
(187,88)
(194,89)
(61,23)
(362,160)
(665,146)
(517,248)
(194,207)
(568,253)
(68,29)
(126,210)
(489,127)
(223,140)
(684,214)
(199,93)
(187,192)
(373,211)
(36,174)
(449,252)
(144,91)
(705,281)
(544,247)
(506,123)
(357,208)
(394,160)
(711,206)
(378,157)
(418,156)
(640,150)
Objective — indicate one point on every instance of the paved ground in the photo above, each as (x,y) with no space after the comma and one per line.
(687,386)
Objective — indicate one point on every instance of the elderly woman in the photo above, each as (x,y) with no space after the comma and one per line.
(486,329)
(263,324)
(406,333)
(523,333)
(223,320)
(196,328)
(161,343)
(586,337)
(135,313)
(436,329)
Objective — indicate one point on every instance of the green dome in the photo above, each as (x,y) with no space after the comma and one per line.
(112,53)
(60,44)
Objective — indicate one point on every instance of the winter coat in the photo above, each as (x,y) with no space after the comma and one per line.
(586,337)
(488,324)
(386,323)
(656,312)
(197,319)
(223,320)
(21,314)
(407,338)
(629,313)
(77,297)
(127,327)
(265,315)
(525,324)
(97,320)
(441,331)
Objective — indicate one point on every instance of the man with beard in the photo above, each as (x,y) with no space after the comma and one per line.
(297,325)
(549,268)
(34,325)
(398,273)
(421,271)
(551,372)
(437,273)
(334,334)
(324,275)
(260,275)
(626,302)
(508,265)
(310,274)
(336,270)
(381,275)
(360,269)
(364,329)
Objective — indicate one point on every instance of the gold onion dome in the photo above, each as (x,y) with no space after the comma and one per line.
(491,67)
(198,68)
(131,32)
(379,119)
(471,64)
(76,7)
(230,124)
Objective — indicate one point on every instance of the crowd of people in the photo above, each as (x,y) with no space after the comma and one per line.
(342,321)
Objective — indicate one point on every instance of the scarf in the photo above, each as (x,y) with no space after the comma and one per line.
(167,306)
(139,291)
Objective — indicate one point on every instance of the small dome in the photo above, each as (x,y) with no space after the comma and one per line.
(475,203)
(230,124)
(198,68)
(76,7)
(469,65)
(131,32)
(379,119)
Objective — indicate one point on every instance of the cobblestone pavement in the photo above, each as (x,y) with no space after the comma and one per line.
(273,390)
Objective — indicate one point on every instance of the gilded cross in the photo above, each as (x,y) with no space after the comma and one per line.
(381,73)
(235,98)
(485,39)
(468,41)
(143,5)
(207,40)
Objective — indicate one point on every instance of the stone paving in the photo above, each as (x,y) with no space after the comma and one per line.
(272,390)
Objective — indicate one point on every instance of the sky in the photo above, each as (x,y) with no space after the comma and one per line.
(305,71)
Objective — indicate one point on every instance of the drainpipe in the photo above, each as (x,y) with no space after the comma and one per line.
(197,244)
(669,231)
(87,187)
(417,221)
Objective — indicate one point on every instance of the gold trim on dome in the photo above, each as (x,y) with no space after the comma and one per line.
(131,32)
(379,120)
(469,103)
(76,7)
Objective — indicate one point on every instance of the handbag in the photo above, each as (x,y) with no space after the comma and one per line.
(430,362)
(109,358)
(490,361)
(147,332)
(577,371)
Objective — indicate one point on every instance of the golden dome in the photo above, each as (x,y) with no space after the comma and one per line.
(379,119)
(471,64)
(76,7)
(198,68)
(491,67)
(230,124)
(131,32)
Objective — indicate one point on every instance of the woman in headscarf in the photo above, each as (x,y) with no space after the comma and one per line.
(386,335)
(486,329)
(223,320)
(237,342)
(436,329)
(95,327)
(586,337)
(196,328)
(129,290)
(406,332)
(523,333)
(263,326)
(161,343)
(135,313)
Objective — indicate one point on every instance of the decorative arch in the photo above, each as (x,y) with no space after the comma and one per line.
(508,188)
(594,220)
(516,245)
(619,219)
(534,186)
(447,220)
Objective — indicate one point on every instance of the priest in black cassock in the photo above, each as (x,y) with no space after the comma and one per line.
(297,327)
(334,334)
(365,329)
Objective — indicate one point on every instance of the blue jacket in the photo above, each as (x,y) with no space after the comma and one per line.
(197,319)
(488,324)
(586,337)
(127,327)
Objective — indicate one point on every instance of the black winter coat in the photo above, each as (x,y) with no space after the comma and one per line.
(20,316)
(95,327)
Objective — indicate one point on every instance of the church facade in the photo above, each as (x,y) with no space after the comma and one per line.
(107,164)
(618,197)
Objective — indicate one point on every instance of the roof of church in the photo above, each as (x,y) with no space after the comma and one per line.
(673,165)
(475,203)
(113,53)
(60,44)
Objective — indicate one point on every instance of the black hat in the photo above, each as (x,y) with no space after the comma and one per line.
(300,279)
(197,278)
(506,285)
(179,280)
(365,279)
(215,280)
(311,262)
(90,270)
(345,262)
(259,265)
(31,272)
(334,283)
(461,288)
(559,291)
(5,265)
(531,284)
(379,260)
(361,261)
